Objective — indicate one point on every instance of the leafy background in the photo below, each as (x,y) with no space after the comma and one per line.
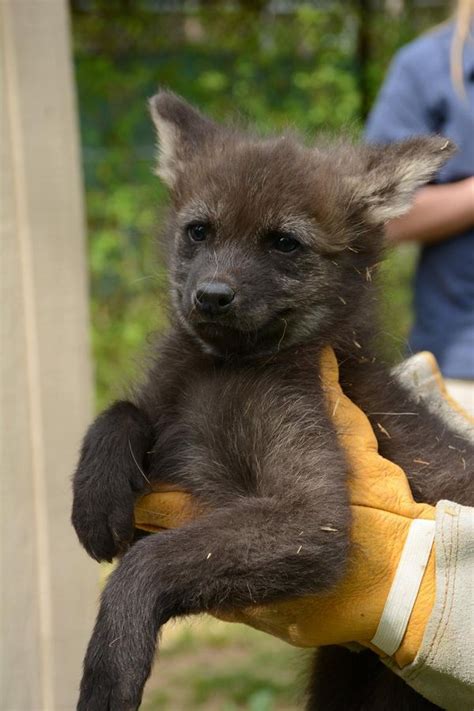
(314,65)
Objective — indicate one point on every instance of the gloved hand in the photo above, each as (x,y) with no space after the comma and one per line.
(382,512)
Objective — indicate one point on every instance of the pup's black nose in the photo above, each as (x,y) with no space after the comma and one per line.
(213,298)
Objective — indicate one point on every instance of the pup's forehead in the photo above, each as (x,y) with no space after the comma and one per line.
(264,184)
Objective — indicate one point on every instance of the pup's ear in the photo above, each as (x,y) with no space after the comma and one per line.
(392,174)
(181,130)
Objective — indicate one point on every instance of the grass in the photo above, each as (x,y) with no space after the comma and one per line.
(217,666)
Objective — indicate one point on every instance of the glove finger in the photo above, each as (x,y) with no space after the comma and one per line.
(164,509)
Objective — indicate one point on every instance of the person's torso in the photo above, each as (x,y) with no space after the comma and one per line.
(444,281)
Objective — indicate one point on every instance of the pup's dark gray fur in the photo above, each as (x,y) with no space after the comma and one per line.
(272,247)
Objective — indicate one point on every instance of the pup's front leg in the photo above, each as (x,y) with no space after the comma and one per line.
(109,476)
(257,550)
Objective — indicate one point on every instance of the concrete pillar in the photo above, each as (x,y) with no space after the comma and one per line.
(48,585)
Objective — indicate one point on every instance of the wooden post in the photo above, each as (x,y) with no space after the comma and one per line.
(48,585)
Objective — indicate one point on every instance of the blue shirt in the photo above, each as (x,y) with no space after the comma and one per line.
(418,97)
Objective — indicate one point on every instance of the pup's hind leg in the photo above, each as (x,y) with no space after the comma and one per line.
(358,681)
(253,551)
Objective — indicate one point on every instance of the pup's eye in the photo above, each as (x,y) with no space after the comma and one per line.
(198,231)
(283,242)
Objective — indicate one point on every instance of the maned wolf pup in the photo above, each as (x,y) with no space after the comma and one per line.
(271,249)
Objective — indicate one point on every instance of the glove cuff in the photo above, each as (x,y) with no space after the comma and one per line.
(411,596)
(424,603)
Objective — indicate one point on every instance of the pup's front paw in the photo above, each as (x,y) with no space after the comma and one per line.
(109,476)
(100,692)
(120,652)
(105,530)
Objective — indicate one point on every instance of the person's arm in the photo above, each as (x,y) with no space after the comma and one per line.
(404,109)
(439,212)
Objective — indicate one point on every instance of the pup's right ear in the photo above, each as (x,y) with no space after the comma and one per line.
(392,174)
(181,130)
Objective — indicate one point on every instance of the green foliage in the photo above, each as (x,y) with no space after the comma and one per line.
(312,65)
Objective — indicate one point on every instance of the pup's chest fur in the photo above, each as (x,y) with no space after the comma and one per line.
(233,428)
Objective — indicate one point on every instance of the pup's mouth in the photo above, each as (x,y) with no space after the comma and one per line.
(226,337)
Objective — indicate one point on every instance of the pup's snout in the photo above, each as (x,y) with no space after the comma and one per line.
(213,298)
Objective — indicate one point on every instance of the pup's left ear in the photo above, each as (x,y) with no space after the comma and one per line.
(182,131)
(393,173)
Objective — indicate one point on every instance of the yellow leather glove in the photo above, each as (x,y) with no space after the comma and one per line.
(382,512)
